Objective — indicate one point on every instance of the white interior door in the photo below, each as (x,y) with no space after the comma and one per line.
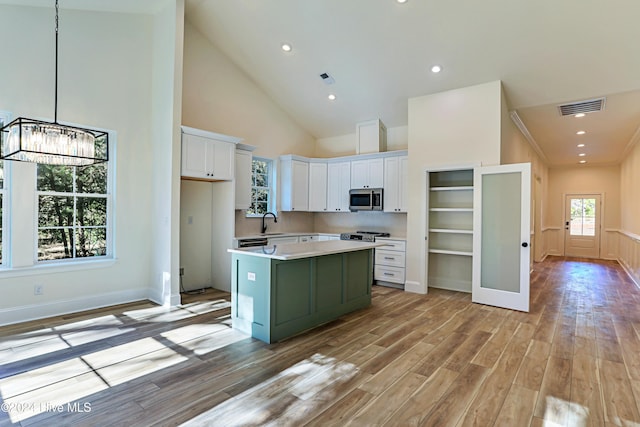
(502,200)
(582,225)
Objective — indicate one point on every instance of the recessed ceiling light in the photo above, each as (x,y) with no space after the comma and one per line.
(583,161)
(436,69)
(331,97)
(580,132)
(580,145)
(286,47)
(579,115)
(581,154)
(401,1)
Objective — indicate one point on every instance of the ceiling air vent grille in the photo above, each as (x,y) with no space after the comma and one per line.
(589,106)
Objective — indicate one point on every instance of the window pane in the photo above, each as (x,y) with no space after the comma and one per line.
(1,170)
(55,211)
(261,180)
(91,242)
(55,178)
(260,208)
(55,244)
(261,195)
(91,211)
(92,179)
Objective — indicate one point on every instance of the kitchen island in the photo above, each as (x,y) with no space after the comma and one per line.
(281,290)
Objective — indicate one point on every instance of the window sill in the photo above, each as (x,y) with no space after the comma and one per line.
(58,267)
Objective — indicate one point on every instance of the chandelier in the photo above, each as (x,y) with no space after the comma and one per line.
(38,141)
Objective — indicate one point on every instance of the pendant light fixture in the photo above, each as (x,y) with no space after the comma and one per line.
(37,141)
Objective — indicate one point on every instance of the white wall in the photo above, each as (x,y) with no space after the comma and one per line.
(581,179)
(104,81)
(454,128)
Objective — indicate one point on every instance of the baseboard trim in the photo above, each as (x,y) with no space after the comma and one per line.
(414,287)
(629,273)
(30,312)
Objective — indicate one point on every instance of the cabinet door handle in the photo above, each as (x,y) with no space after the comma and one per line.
(389,274)
(389,257)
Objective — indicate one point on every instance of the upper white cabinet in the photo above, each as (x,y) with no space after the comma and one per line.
(207,156)
(294,184)
(338,186)
(368,173)
(395,184)
(371,137)
(244,159)
(318,187)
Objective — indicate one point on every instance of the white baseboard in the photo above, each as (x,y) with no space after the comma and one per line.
(635,280)
(26,313)
(450,284)
(415,287)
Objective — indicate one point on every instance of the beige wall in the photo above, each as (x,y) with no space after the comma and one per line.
(219,97)
(459,127)
(629,236)
(345,145)
(515,148)
(603,180)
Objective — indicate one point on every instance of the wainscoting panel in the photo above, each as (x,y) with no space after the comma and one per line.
(629,254)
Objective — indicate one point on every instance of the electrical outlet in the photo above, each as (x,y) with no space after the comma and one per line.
(182,271)
(38,289)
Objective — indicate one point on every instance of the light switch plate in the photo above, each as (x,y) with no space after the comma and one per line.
(251,276)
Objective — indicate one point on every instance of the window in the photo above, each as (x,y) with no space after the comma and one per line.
(583,217)
(72,211)
(261,190)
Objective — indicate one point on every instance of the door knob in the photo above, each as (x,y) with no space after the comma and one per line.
(525,244)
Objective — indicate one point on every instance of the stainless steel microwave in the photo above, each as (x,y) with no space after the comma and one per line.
(365,199)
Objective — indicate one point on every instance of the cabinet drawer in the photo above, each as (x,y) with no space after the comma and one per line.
(390,258)
(389,274)
(392,245)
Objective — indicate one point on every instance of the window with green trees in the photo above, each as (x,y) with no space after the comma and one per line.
(261,172)
(72,211)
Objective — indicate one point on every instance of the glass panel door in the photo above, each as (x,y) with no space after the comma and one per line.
(582,225)
(501,246)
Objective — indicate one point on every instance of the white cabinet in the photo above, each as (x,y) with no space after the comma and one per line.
(294,184)
(395,184)
(243,178)
(389,268)
(338,186)
(367,173)
(207,156)
(371,137)
(318,187)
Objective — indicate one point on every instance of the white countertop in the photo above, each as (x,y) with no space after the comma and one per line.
(305,250)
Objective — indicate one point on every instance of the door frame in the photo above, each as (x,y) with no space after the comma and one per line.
(565,219)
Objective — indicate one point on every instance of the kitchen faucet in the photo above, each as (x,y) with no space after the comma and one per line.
(264,226)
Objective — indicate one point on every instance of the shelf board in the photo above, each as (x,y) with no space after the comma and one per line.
(450,230)
(459,188)
(451,209)
(449,252)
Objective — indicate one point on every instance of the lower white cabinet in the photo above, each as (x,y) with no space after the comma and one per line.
(390,262)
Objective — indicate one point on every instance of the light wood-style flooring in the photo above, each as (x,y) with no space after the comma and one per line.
(432,360)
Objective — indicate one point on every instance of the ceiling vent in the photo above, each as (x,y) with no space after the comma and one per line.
(327,78)
(589,106)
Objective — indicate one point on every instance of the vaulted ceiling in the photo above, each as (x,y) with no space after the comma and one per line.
(380,52)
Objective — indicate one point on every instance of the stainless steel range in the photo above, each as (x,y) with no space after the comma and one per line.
(365,236)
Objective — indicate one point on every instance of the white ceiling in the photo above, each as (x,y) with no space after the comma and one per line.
(546,52)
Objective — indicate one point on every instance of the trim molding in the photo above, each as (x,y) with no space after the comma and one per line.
(515,118)
(26,313)
(415,287)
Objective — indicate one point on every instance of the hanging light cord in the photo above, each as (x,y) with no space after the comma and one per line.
(55,109)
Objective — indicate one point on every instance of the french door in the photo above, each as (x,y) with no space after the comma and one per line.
(582,225)
(502,200)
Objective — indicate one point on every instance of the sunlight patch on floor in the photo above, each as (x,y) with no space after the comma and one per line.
(172,314)
(300,381)
(204,338)
(559,412)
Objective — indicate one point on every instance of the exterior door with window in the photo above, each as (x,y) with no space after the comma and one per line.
(502,202)
(582,225)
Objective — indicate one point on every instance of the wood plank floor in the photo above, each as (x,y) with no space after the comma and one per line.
(409,360)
